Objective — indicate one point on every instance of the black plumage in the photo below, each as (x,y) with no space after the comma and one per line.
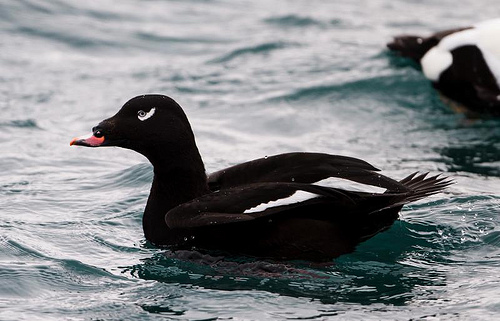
(252,208)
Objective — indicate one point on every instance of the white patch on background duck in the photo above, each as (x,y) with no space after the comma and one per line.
(485,35)
(489,43)
(142,115)
(487,23)
(297,197)
(439,58)
(435,62)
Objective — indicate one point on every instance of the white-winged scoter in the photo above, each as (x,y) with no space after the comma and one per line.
(265,208)
(462,63)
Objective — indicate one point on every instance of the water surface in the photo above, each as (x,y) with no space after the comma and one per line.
(255,78)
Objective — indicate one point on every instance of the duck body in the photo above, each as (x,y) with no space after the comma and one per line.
(463,63)
(266,208)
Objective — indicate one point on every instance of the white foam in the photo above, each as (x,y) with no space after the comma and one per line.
(297,197)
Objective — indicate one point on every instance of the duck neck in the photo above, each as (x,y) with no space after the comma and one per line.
(175,181)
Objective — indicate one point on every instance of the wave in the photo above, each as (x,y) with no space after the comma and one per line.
(372,86)
(293,21)
(21,123)
(253,50)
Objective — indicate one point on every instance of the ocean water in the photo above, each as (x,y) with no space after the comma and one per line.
(255,78)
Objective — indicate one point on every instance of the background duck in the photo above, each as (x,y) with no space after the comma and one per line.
(462,63)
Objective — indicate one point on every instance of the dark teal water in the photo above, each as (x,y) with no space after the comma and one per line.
(255,78)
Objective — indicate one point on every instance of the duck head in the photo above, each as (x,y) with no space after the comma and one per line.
(153,125)
(156,127)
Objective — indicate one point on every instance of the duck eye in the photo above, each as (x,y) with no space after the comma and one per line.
(142,115)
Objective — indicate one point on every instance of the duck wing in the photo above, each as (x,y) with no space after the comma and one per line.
(301,168)
(249,202)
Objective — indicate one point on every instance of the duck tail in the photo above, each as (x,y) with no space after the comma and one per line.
(423,185)
(419,186)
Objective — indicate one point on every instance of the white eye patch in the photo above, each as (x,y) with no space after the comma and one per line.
(142,115)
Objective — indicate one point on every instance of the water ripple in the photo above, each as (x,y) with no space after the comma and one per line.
(256,78)
(65,37)
(150,36)
(260,49)
(23,123)
(293,21)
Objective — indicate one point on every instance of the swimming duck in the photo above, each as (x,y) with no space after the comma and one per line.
(463,63)
(266,208)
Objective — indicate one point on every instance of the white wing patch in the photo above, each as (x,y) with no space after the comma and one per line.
(485,35)
(435,62)
(297,197)
(439,58)
(143,115)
